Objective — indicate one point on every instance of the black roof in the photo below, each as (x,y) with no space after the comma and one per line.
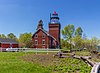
(8,40)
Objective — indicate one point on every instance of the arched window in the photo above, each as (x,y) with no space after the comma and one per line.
(36,35)
(43,35)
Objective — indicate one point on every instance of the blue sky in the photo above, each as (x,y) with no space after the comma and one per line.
(19,16)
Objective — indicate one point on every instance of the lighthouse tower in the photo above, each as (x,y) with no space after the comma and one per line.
(54,27)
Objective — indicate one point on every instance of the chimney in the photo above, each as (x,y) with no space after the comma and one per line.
(40,25)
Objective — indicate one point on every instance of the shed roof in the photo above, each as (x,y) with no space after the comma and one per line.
(8,41)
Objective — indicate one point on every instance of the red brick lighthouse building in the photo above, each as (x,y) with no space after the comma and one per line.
(51,39)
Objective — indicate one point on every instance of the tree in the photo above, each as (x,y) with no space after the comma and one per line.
(2,36)
(78,41)
(91,44)
(84,36)
(11,36)
(25,40)
(68,33)
(78,31)
(65,44)
(94,43)
(86,43)
(62,43)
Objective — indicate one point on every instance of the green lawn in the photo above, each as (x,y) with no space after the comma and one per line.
(18,62)
(9,63)
(82,53)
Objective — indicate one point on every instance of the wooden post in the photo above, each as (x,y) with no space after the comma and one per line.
(36,51)
(96,68)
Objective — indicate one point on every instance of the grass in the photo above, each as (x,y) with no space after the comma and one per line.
(9,63)
(58,65)
(82,53)
(70,65)
(18,62)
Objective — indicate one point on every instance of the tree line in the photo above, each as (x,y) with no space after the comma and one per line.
(75,39)
(24,39)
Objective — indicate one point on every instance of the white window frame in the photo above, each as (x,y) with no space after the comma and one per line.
(43,43)
(36,35)
(43,35)
(36,43)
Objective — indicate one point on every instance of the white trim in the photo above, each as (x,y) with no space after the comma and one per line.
(43,35)
(36,35)
(43,41)
(36,41)
(46,33)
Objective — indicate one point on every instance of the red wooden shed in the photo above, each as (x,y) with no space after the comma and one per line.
(8,43)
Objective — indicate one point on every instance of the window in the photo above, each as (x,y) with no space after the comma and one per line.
(36,35)
(43,42)
(36,42)
(54,21)
(43,35)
